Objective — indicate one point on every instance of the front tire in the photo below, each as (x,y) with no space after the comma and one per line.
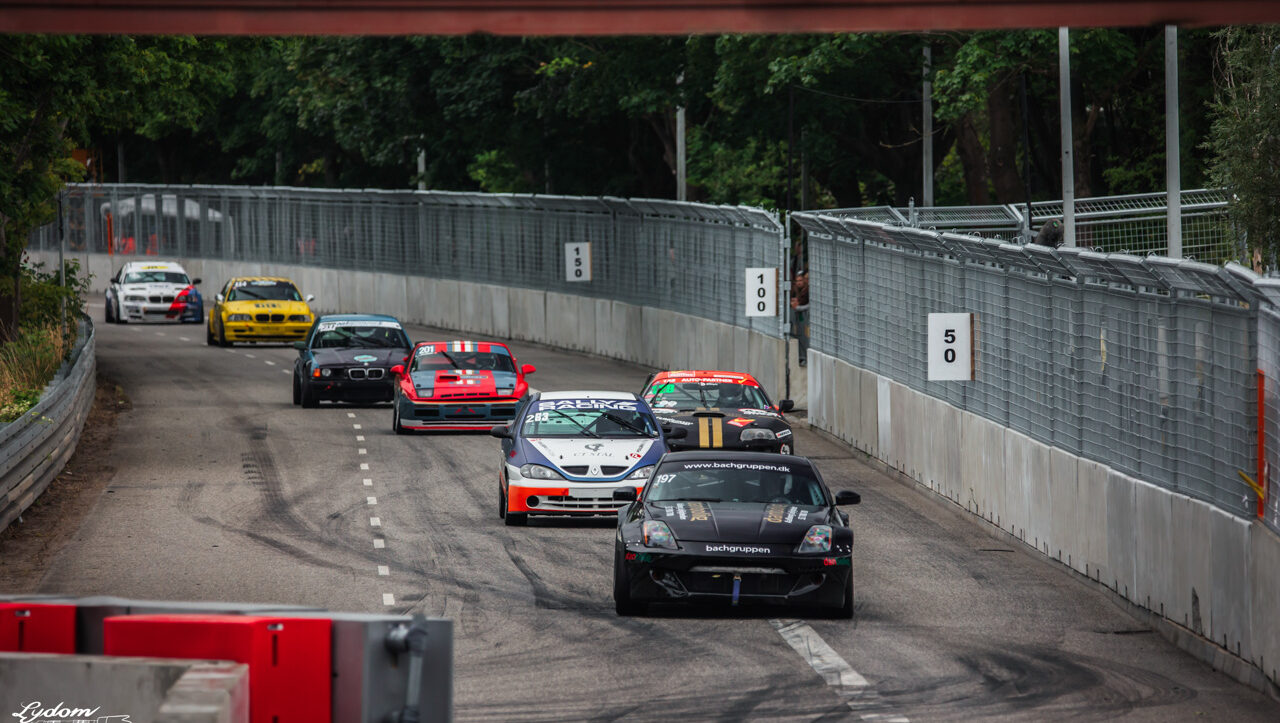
(108,308)
(297,389)
(395,416)
(502,502)
(845,611)
(622,603)
(308,398)
(222,336)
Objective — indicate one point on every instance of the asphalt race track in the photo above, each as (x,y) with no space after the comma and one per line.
(224,490)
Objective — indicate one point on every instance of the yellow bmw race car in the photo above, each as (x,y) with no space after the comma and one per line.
(258,308)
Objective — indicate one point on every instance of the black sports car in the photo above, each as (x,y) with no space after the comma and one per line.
(720,409)
(730,527)
(348,358)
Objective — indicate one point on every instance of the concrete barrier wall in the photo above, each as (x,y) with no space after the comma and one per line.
(1213,574)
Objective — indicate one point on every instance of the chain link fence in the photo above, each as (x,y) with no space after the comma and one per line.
(1148,365)
(683,257)
(1134,224)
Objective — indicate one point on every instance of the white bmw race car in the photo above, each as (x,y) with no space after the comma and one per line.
(153,291)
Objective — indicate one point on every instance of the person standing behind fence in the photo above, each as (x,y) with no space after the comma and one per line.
(800,313)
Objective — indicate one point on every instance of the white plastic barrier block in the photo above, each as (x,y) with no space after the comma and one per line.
(843,414)
(499,311)
(884,421)
(607,339)
(818,390)
(1091,521)
(443,306)
(651,332)
(1063,503)
(1230,617)
(974,484)
(527,314)
(853,403)
(869,425)
(564,320)
(1121,521)
(629,321)
(1153,565)
(1191,590)
(1264,598)
(941,451)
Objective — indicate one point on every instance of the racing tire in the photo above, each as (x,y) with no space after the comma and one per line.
(845,611)
(107,312)
(395,417)
(502,503)
(297,389)
(208,336)
(307,398)
(222,337)
(623,605)
(513,519)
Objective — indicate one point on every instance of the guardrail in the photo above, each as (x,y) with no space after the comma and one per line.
(35,447)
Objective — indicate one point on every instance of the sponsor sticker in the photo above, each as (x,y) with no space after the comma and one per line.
(331,325)
(671,420)
(613,404)
(699,512)
(783,433)
(757,412)
(775,513)
(739,422)
(742,549)
(365,358)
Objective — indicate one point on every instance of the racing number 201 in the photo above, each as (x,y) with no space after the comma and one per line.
(761,292)
(949,354)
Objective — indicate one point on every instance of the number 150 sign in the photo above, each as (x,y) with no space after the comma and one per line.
(951,347)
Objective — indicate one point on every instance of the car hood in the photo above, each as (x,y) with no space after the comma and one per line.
(462,383)
(356,356)
(254,306)
(750,413)
(561,451)
(154,289)
(737,521)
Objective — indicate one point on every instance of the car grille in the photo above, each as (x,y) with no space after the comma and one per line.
(459,395)
(721,583)
(583,503)
(607,470)
(275,318)
(166,299)
(362,373)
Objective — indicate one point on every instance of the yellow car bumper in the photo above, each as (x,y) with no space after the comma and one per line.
(258,331)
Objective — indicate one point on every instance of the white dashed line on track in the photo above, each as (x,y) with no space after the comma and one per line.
(286,371)
(359,437)
(852,688)
(356,426)
(379,543)
(362,450)
(388,599)
(230,351)
(250,355)
(271,362)
(367,482)
(159,333)
(364,466)
(183,338)
(351,415)
(375,522)
(372,500)
(384,570)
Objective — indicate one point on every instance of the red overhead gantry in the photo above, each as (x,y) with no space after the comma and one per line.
(605,17)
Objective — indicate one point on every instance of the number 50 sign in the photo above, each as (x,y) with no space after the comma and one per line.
(762,291)
(950,347)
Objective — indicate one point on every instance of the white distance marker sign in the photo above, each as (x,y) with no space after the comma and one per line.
(577,261)
(950,347)
(762,292)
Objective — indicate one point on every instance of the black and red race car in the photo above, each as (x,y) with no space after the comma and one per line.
(720,410)
(734,527)
(457,385)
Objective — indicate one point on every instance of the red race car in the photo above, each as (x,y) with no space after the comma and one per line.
(457,385)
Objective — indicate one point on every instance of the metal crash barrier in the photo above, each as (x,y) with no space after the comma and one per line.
(304,664)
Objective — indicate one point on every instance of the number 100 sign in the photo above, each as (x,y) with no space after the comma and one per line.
(950,347)
(762,292)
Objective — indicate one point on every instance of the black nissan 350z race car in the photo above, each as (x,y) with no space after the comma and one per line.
(720,410)
(734,527)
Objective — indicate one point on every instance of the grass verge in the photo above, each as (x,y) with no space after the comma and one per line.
(27,365)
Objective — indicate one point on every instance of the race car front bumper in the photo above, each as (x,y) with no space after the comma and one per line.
(562,497)
(698,577)
(352,390)
(458,415)
(135,312)
(286,331)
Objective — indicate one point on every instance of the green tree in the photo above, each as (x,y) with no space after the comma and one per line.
(1245,135)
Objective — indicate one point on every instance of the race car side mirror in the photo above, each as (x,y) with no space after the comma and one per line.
(300,345)
(218,298)
(848,497)
(528,369)
(786,405)
(196,280)
(501,431)
(397,369)
(311,298)
(624,494)
(675,432)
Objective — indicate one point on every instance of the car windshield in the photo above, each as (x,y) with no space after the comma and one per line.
(359,335)
(693,394)
(712,481)
(156,277)
(433,358)
(611,419)
(263,291)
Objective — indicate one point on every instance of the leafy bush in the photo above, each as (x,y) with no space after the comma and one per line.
(42,295)
(27,365)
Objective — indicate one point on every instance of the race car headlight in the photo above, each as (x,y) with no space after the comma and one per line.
(322,372)
(754,433)
(299,317)
(817,539)
(657,534)
(238,317)
(642,473)
(537,471)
